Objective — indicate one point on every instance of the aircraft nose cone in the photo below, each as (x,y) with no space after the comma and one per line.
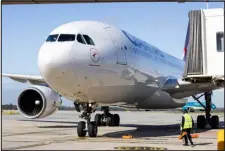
(53,61)
(50,68)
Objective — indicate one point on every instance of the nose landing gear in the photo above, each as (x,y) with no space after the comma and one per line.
(207,121)
(88,126)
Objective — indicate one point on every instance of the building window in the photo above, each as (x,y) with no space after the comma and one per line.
(220,41)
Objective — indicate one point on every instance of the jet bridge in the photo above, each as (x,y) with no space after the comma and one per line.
(204,46)
(204,57)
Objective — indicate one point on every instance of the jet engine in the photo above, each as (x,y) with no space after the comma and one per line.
(38,102)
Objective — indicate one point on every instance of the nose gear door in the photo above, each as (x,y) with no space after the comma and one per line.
(114,35)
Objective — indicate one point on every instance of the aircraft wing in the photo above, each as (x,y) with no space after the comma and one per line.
(178,88)
(33,79)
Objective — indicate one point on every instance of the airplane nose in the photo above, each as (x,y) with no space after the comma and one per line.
(53,60)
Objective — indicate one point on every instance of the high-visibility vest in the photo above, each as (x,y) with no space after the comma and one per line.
(187,121)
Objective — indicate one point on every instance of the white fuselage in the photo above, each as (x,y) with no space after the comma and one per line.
(117,69)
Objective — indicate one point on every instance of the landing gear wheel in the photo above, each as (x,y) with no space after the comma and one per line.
(117,119)
(207,121)
(214,122)
(98,118)
(92,129)
(113,120)
(201,121)
(109,121)
(103,120)
(81,132)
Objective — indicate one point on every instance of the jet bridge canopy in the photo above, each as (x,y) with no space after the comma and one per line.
(204,47)
(194,58)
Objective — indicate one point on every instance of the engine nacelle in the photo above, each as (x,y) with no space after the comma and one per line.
(38,102)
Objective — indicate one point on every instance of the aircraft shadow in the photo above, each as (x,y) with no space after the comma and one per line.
(58,126)
(151,131)
(47,121)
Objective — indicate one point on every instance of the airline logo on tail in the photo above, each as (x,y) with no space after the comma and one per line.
(186,43)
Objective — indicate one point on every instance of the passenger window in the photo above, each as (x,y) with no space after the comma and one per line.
(88,40)
(220,41)
(80,39)
(52,38)
(66,37)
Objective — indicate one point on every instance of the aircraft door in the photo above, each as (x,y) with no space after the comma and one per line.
(120,50)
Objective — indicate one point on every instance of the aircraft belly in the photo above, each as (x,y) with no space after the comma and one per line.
(161,100)
(114,86)
(108,85)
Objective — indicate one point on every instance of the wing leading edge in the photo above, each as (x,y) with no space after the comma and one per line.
(33,79)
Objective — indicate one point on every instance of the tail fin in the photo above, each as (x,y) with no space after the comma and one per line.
(186,43)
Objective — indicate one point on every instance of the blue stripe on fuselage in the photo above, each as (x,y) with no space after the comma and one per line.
(142,44)
(150,48)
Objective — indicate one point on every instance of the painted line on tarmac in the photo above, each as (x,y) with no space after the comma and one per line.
(139,148)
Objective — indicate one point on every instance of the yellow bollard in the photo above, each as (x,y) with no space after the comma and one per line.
(220,140)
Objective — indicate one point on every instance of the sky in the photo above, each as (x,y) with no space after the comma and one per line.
(26,27)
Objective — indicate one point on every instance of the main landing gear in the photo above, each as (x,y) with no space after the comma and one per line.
(88,126)
(207,121)
(107,119)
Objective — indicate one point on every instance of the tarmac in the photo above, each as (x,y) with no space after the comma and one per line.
(151,130)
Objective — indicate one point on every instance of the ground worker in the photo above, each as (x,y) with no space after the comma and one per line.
(186,126)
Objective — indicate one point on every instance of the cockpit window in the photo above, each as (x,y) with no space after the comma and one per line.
(88,40)
(52,38)
(66,37)
(80,39)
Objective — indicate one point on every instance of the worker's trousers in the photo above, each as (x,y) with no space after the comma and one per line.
(188,136)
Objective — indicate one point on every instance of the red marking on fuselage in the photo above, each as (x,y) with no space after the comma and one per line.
(94,54)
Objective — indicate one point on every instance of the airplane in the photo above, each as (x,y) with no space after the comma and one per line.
(193,106)
(95,65)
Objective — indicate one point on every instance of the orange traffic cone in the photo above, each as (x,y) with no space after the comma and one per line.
(194,135)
